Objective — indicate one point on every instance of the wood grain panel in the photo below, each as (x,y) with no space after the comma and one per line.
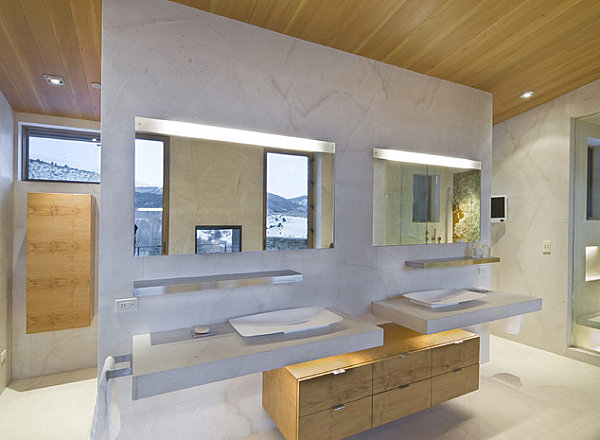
(452,356)
(454,384)
(60,37)
(280,400)
(334,424)
(330,390)
(59,261)
(501,47)
(401,402)
(400,370)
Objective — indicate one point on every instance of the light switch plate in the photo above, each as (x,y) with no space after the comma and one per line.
(547,249)
(126,305)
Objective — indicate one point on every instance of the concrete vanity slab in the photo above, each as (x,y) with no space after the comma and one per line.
(174,360)
(495,305)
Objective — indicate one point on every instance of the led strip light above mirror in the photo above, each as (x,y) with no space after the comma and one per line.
(246,137)
(425,159)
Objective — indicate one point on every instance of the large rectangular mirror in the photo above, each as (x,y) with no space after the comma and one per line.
(205,190)
(424,198)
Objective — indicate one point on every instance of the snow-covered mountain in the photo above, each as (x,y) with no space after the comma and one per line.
(41,170)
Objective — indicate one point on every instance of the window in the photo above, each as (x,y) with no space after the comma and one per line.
(151,196)
(61,155)
(287,218)
(218,239)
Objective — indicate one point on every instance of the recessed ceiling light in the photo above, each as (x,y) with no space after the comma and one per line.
(96,85)
(54,80)
(527,94)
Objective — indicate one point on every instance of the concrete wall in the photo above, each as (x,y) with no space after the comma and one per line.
(168,61)
(6,202)
(57,351)
(531,164)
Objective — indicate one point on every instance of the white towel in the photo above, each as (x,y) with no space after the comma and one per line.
(512,325)
(107,419)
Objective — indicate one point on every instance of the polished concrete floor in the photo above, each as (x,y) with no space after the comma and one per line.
(525,394)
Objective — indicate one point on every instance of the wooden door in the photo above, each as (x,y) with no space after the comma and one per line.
(59,261)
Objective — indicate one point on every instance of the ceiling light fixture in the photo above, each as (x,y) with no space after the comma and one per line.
(528,94)
(54,80)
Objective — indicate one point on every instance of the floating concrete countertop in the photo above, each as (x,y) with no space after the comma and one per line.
(173,360)
(495,305)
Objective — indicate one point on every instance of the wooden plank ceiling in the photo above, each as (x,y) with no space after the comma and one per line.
(57,37)
(501,46)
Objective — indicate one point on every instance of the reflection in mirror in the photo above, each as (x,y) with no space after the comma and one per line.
(424,199)
(205,190)
(593,179)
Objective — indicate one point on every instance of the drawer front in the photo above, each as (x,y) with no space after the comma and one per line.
(337,423)
(401,402)
(452,356)
(325,392)
(454,384)
(400,370)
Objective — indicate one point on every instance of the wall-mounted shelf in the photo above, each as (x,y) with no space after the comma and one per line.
(209,282)
(592,320)
(450,262)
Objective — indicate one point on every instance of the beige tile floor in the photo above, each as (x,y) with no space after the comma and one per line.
(525,394)
(57,406)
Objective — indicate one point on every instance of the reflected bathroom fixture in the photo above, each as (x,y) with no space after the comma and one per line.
(424,198)
(201,189)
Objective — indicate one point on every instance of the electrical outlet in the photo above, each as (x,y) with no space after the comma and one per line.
(3,357)
(547,249)
(126,305)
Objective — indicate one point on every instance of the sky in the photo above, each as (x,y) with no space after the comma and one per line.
(76,154)
(148,163)
(287,175)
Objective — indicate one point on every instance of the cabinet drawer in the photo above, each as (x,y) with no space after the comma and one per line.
(336,423)
(452,356)
(400,370)
(401,402)
(325,392)
(454,384)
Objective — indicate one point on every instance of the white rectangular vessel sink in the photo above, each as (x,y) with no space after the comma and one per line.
(284,321)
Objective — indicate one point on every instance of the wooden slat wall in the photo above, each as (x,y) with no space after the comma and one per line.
(504,47)
(58,37)
(59,261)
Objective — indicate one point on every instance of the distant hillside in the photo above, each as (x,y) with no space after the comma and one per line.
(148,197)
(41,170)
(279,205)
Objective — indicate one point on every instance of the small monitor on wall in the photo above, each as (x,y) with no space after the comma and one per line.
(499,205)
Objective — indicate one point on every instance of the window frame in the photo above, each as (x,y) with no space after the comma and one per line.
(54,133)
(311,192)
(166,140)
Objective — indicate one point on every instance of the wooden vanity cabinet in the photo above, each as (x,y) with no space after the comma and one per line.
(336,397)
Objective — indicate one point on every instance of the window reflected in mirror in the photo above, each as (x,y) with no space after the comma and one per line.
(278,190)
(593,179)
(424,199)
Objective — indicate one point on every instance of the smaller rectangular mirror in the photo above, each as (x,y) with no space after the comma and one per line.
(424,198)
